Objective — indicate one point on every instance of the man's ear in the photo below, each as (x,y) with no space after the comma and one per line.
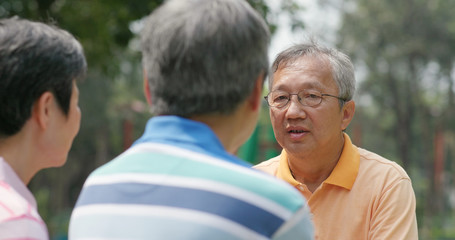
(42,109)
(147,89)
(348,111)
(256,95)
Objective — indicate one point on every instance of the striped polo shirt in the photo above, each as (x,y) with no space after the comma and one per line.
(177,182)
(19,218)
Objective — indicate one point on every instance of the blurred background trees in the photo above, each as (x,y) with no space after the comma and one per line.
(406,105)
(404,56)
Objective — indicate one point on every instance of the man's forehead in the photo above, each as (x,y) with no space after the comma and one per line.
(309,72)
(303,62)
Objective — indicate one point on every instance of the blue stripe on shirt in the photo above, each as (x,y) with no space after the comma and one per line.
(259,220)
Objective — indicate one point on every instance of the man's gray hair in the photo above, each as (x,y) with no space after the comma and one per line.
(203,56)
(341,65)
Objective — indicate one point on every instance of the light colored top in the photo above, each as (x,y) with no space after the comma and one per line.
(365,197)
(19,218)
(178,182)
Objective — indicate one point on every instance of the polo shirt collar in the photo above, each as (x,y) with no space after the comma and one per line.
(284,171)
(344,173)
(188,134)
(347,168)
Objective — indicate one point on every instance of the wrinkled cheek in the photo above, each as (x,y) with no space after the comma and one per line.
(275,118)
(275,123)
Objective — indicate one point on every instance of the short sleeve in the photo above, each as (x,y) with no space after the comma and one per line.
(394,216)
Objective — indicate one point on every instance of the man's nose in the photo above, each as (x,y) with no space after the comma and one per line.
(295,108)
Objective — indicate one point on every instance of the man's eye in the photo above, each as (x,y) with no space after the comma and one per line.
(280,98)
(313,96)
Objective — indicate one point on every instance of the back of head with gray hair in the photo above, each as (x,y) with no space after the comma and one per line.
(203,56)
(340,63)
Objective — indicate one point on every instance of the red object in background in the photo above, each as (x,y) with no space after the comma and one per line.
(438,160)
(127,133)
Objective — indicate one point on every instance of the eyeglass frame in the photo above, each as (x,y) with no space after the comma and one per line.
(299,99)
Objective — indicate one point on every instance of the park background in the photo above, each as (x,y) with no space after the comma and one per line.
(403,51)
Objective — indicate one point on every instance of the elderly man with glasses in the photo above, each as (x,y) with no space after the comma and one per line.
(352,193)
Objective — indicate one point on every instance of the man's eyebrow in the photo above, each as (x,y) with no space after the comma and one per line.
(307,85)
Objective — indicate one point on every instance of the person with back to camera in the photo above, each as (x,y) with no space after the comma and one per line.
(39,115)
(352,193)
(204,62)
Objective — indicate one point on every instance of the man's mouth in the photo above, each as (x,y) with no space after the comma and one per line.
(297,134)
(296,131)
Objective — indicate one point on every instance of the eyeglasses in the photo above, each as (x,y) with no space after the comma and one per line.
(309,98)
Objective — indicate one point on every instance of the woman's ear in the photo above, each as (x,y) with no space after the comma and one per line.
(42,109)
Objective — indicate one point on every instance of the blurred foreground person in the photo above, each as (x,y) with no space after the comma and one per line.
(39,115)
(205,62)
(352,193)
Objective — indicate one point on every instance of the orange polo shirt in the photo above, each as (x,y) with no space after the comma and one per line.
(365,197)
